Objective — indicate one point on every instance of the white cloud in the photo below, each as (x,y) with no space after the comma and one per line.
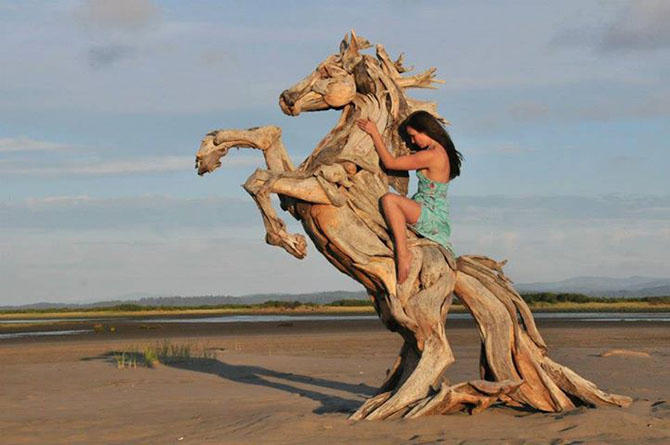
(510,148)
(93,265)
(62,247)
(117,30)
(141,165)
(501,211)
(104,55)
(495,212)
(82,212)
(514,149)
(642,25)
(638,25)
(118,14)
(528,110)
(23,144)
(551,238)
(647,104)
(58,200)
(102,167)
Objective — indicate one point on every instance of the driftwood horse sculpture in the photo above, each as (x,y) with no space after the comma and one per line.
(335,193)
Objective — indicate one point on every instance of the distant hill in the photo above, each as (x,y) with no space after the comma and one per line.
(635,286)
(318,297)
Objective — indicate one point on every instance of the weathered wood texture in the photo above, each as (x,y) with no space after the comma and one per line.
(336,193)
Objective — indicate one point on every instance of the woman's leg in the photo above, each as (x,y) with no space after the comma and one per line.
(398,211)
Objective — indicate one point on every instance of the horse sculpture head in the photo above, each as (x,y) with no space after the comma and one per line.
(331,85)
(362,86)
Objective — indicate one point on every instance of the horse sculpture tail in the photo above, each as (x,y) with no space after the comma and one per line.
(512,347)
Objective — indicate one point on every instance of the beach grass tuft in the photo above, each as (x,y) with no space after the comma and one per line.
(162,352)
(126,359)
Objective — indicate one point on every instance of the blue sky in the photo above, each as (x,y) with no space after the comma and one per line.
(561,110)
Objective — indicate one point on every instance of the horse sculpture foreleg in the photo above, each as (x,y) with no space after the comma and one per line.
(216,144)
(279,178)
(263,182)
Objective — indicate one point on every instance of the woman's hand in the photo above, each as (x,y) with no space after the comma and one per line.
(367,126)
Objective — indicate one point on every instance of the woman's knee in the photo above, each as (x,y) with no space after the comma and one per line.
(388,200)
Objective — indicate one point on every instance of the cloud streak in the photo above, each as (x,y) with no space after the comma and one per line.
(118,27)
(85,212)
(64,246)
(642,25)
(24,144)
(105,55)
(558,237)
(94,265)
(127,15)
(105,167)
(502,210)
(639,26)
(75,213)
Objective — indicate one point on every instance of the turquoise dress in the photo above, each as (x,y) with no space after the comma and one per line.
(433,222)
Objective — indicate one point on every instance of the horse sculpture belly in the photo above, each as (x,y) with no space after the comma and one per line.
(335,194)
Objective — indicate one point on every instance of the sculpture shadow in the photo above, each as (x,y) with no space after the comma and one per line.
(284,381)
(269,378)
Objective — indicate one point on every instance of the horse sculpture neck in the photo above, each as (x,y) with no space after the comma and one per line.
(347,143)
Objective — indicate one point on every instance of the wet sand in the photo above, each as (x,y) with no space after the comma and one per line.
(296,382)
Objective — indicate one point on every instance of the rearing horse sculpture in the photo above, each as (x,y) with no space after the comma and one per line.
(335,193)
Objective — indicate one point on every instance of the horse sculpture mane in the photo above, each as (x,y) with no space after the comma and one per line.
(335,194)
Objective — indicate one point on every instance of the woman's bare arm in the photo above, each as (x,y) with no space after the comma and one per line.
(415,161)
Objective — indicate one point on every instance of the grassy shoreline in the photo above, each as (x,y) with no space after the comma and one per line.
(312,309)
(157,312)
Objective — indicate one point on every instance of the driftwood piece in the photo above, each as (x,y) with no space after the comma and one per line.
(625,353)
(335,193)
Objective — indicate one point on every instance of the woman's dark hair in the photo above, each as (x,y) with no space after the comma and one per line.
(424,122)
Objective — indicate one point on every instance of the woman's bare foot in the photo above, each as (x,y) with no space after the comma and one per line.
(404,261)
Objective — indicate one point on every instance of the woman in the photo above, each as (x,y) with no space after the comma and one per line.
(436,161)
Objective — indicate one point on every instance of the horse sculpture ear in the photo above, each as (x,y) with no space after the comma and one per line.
(361,42)
(344,44)
(351,57)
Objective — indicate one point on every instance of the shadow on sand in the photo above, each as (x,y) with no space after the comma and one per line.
(257,375)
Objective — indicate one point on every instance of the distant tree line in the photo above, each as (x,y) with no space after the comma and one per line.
(550,297)
(539,297)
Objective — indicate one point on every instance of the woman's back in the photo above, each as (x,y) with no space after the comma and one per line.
(433,221)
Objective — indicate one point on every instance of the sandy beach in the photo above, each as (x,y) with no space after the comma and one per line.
(296,382)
